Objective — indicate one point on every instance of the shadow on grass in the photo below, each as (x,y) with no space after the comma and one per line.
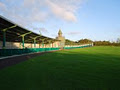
(64,70)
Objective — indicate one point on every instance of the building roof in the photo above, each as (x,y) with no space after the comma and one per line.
(14,32)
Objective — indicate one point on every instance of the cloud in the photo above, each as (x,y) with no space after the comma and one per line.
(62,12)
(62,9)
(43,30)
(53,35)
(2,6)
(29,2)
(74,33)
(39,29)
(27,12)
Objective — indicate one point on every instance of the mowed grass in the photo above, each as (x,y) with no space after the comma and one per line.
(94,68)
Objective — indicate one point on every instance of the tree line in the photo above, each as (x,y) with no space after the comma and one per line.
(95,43)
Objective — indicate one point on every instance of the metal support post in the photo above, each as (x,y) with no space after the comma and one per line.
(4,39)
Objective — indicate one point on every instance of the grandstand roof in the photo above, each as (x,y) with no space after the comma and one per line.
(14,32)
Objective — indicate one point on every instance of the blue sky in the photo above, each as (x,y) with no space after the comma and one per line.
(92,19)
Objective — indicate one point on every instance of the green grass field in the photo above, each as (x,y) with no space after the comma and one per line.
(94,68)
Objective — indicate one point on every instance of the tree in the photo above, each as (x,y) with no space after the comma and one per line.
(85,41)
(102,43)
(118,40)
(69,42)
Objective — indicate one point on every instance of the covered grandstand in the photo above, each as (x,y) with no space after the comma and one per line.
(16,40)
(11,32)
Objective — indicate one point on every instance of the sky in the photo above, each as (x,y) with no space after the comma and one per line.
(78,19)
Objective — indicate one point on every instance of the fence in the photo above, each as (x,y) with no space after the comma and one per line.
(79,46)
(10,52)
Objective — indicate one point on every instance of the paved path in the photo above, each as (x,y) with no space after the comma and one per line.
(17,59)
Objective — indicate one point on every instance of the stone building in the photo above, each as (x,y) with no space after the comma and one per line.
(61,38)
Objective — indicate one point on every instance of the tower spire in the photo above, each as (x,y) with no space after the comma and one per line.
(60,33)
